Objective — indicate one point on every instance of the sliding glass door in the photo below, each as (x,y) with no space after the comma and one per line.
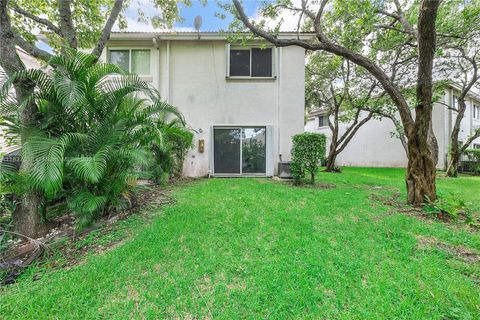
(239,150)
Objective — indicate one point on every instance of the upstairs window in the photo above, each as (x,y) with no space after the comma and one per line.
(322,121)
(250,62)
(476,111)
(131,60)
(455,102)
(476,146)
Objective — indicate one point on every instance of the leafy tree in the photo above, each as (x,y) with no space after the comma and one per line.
(346,94)
(458,66)
(369,33)
(308,151)
(92,130)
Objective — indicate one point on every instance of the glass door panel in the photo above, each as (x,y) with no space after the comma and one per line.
(253,150)
(227,150)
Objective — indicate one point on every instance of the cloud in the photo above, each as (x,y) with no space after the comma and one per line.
(287,18)
(149,10)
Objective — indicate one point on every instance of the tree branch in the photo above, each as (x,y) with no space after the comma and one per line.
(37,19)
(339,50)
(66,23)
(32,49)
(107,29)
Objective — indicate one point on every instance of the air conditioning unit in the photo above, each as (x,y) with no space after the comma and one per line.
(284,170)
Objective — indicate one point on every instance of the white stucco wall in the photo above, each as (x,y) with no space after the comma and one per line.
(374,145)
(191,75)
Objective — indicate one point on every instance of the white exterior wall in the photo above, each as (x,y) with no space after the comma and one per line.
(374,145)
(191,75)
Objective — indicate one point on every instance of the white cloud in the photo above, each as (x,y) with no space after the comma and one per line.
(146,6)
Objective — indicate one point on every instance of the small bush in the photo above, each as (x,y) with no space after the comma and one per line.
(307,153)
(474,156)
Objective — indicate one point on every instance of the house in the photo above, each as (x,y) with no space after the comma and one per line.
(243,102)
(30,63)
(376,144)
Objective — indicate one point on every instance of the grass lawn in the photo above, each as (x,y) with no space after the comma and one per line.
(255,248)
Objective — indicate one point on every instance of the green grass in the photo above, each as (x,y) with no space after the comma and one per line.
(254,248)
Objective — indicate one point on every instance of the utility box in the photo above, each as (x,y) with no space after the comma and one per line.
(284,170)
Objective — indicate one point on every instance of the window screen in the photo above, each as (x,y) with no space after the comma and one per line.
(240,63)
(261,62)
(141,62)
(120,58)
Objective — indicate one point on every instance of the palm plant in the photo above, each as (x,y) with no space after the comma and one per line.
(96,124)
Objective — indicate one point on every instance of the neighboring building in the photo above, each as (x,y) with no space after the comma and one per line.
(243,102)
(375,144)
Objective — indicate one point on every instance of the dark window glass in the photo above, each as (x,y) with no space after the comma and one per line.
(120,58)
(239,63)
(322,121)
(261,62)
(226,150)
(476,111)
(253,150)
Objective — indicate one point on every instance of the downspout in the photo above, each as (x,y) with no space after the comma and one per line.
(278,57)
(156,44)
(167,71)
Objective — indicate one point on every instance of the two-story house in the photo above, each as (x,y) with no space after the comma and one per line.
(376,144)
(244,102)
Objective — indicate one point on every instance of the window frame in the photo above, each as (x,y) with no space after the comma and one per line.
(325,120)
(455,102)
(130,49)
(475,111)
(249,48)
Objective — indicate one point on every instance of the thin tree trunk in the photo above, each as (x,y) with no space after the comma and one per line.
(455,152)
(332,157)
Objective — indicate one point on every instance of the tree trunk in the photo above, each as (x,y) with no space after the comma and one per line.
(455,152)
(332,156)
(26,218)
(421,171)
(420,178)
(433,144)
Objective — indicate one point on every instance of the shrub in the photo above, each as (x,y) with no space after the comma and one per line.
(474,156)
(96,125)
(307,153)
(168,158)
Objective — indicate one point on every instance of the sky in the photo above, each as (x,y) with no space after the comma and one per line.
(207,12)
(209,21)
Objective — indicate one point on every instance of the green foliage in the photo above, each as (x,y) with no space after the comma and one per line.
(474,156)
(450,206)
(89,17)
(168,157)
(307,153)
(96,125)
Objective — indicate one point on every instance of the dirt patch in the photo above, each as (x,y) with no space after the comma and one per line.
(460,252)
(71,246)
